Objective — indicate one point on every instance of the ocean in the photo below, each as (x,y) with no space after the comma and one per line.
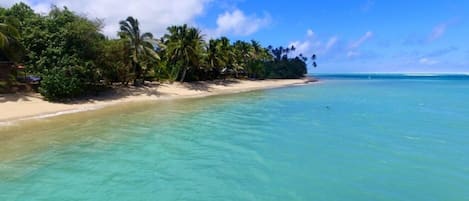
(348,137)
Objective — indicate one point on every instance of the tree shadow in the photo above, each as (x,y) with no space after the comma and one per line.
(4,98)
(226,82)
(206,85)
(119,92)
(197,86)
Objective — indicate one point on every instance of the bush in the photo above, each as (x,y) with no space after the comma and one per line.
(59,85)
(113,61)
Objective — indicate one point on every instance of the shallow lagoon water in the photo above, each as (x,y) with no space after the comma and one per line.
(345,138)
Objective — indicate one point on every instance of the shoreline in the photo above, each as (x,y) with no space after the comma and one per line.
(23,107)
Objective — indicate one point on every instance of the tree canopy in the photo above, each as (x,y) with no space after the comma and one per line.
(74,58)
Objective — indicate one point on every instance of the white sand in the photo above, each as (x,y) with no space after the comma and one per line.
(14,107)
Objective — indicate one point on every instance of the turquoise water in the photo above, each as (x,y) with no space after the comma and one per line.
(346,138)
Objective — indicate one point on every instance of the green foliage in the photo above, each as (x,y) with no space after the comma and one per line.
(73,57)
(59,85)
(184,49)
(61,47)
(58,40)
(10,46)
(257,69)
(33,34)
(285,69)
(114,63)
(3,87)
(141,45)
(70,41)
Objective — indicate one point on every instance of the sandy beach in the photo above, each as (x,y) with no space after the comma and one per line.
(15,107)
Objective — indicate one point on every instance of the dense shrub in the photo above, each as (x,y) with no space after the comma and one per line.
(113,62)
(59,85)
(62,47)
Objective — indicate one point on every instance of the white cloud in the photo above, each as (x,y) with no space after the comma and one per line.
(334,48)
(331,43)
(7,3)
(309,33)
(300,47)
(305,47)
(427,61)
(361,40)
(237,23)
(437,32)
(314,45)
(367,5)
(153,15)
(351,54)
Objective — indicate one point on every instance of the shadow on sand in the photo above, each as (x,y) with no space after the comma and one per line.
(4,98)
(119,91)
(205,85)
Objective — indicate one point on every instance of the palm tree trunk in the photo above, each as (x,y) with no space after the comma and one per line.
(183,75)
(138,75)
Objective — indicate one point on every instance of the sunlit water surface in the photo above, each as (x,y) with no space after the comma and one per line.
(345,138)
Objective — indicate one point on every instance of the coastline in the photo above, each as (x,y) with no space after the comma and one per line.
(22,107)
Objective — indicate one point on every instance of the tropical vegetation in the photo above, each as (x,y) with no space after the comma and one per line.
(74,58)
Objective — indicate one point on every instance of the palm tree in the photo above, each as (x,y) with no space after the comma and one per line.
(184,47)
(260,55)
(10,46)
(257,49)
(6,32)
(276,52)
(215,60)
(314,60)
(228,55)
(244,54)
(142,46)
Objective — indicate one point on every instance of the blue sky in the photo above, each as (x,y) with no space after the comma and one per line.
(369,35)
(346,36)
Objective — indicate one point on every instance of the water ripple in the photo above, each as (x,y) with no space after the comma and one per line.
(336,141)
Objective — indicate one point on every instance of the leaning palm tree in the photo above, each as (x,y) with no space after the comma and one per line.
(142,46)
(10,46)
(6,32)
